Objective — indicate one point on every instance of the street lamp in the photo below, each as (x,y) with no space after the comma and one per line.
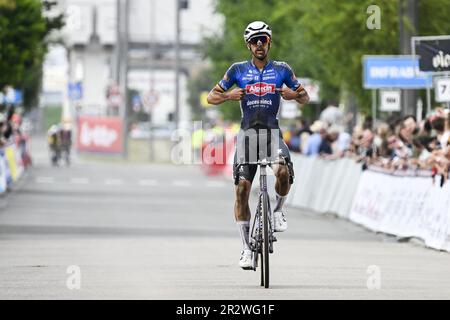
(181,4)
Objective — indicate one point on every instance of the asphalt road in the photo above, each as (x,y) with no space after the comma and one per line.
(140,231)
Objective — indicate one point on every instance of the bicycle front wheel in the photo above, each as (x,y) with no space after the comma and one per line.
(266,242)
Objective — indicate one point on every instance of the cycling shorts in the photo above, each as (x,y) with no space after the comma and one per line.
(256,144)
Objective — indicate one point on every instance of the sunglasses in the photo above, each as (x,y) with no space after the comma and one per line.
(263,39)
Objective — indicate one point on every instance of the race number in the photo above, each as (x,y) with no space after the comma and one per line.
(442,90)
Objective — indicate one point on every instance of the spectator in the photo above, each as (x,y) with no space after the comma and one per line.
(331,115)
(343,141)
(329,138)
(381,140)
(438,125)
(299,133)
(313,143)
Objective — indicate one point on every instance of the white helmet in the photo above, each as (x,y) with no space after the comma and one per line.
(257,28)
(53,129)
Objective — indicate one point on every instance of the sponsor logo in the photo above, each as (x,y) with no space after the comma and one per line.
(259,102)
(441,60)
(260,88)
(99,136)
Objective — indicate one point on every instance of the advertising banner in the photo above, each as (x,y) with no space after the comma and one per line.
(10,155)
(434,55)
(394,72)
(99,134)
(403,206)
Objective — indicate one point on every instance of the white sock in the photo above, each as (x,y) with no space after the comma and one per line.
(244,227)
(280,202)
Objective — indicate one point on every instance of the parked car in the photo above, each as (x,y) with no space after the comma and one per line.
(141,130)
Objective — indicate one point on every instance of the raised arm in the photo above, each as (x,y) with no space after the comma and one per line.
(217,95)
(294,90)
(300,95)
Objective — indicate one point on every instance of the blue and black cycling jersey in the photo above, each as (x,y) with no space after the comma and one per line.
(261,103)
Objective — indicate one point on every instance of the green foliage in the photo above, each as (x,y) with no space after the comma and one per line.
(324,40)
(23,31)
(197,84)
(336,37)
(51,116)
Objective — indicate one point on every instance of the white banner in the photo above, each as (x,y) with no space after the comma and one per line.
(403,206)
(406,205)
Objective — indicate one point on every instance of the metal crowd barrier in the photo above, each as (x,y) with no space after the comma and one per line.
(405,204)
(11,166)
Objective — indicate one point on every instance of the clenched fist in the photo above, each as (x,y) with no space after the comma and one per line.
(235,94)
(288,94)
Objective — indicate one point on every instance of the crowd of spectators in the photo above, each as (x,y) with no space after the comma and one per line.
(397,143)
(11,133)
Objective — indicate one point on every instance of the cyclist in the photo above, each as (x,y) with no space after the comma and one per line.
(54,143)
(259,86)
(66,141)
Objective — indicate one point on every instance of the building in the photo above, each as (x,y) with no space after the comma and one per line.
(93,57)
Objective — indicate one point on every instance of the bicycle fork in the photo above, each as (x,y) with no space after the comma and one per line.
(257,228)
(263,190)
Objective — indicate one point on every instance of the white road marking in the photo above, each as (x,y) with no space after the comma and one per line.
(45,180)
(113,182)
(215,184)
(181,183)
(147,183)
(79,180)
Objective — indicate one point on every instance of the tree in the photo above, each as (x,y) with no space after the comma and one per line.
(198,83)
(324,40)
(23,44)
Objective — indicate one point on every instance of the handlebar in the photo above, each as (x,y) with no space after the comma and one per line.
(265,162)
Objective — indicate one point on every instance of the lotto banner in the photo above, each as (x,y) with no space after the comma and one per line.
(99,134)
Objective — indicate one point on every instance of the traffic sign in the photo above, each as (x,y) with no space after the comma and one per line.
(114,96)
(390,100)
(290,110)
(75,91)
(312,87)
(442,89)
(11,96)
(150,99)
(136,102)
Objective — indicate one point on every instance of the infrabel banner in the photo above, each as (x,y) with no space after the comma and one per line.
(434,55)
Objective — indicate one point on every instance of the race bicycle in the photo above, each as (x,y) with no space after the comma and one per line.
(262,232)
